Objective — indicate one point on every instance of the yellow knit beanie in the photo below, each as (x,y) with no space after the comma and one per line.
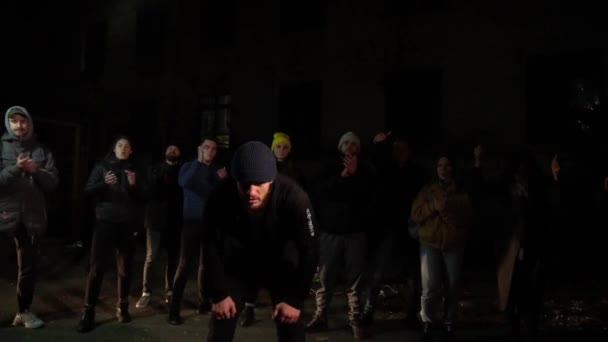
(280,137)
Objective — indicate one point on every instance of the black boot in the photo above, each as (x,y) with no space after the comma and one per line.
(87,321)
(174,310)
(122,313)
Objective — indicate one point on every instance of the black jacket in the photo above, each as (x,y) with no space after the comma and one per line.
(346,204)
(165,202)
(275,248)
(118,202)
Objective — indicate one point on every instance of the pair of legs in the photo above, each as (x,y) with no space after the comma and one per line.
(386,263)
(191,249)
(156,240)
(341,253)
(110,238)
(439,269)
(223,330)
(27,261)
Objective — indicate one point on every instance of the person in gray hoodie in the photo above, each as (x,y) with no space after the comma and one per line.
(27,171)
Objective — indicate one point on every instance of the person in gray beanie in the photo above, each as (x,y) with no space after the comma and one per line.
(345,205)
(259,231)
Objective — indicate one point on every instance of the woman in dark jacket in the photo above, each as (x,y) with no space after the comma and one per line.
(116,189)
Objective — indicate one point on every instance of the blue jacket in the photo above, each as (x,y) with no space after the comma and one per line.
(198,181)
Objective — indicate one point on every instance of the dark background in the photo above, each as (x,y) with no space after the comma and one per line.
(442,72)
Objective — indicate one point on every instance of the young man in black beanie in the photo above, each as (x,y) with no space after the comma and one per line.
(259,230)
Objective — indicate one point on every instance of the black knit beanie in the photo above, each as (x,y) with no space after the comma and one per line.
(253,162)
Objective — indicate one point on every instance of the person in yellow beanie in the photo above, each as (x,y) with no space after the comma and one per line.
(281,146)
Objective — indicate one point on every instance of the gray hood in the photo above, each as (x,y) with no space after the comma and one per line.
(23,112)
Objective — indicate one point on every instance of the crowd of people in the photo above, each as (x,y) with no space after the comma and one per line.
(261,223)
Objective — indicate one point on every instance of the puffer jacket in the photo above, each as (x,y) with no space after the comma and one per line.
(22,195)
(118,202)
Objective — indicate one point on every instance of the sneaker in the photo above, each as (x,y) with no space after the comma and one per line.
(317,324)
(361,333)
(28,319)
(143,301)
(247,316)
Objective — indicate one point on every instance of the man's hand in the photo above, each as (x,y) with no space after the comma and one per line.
(226,309)
(350,164)
(21,161)
(131,177)
(31,166)
(110,178)
(222,173)
(381,137)
(344,173)
(286,313)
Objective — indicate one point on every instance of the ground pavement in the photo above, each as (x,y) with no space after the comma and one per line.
(571,315)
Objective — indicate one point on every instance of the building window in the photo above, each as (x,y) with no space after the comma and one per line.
(216,118)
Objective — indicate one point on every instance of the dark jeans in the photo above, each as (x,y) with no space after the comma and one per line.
(191,249)
(155,242)
(110,237)
(223,330)
(27,261)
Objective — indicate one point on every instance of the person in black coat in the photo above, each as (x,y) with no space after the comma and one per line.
(117,192)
